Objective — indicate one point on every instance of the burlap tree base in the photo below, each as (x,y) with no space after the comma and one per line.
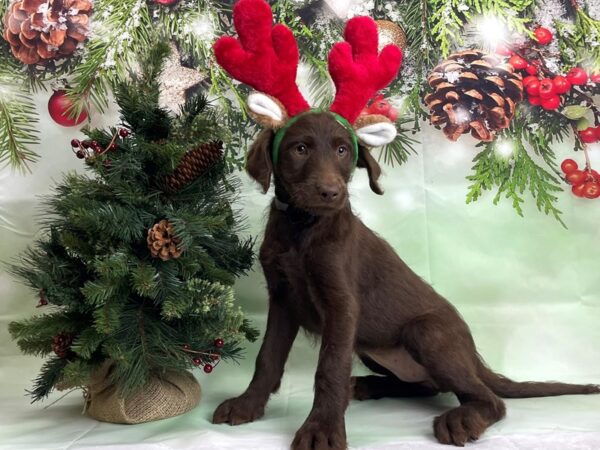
(172,394)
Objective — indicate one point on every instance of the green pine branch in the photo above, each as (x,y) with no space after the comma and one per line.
(18,115)
(512,176)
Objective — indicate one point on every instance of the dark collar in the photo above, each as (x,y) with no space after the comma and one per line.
(295,215)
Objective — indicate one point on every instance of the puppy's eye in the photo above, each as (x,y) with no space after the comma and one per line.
(301,149)
(342,150)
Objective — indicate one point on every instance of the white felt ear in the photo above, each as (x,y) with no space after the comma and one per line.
(377,134)
(265,107)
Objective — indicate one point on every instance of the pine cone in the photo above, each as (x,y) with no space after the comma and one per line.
(39,31)
(193,164)
(61,344)
(162,242)
(473,91)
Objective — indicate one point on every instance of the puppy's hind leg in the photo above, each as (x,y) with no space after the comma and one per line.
(444,346)
(373,387)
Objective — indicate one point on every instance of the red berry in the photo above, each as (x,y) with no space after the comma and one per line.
(543,36)
(531,69)
(547,88)
(208,368)
(75,143)
(561,84)
(112,147)
(595,175)
(533,88)
(219,343)
(568,166)
(517,62)
(529,79)
(591,189)
(577,76)
(197,361)
(503,50)
(85,144)
(588,135)
(80,154)
(551,103)
(576,177)
(123,132)
(535,100)
(214,356)
(578,190)
(392,115)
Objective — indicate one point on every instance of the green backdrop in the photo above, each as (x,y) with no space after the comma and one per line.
(529,289)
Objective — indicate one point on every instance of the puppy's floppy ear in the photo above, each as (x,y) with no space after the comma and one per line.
(366,160)
(258,162)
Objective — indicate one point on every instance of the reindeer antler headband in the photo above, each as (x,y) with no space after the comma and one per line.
(265,57)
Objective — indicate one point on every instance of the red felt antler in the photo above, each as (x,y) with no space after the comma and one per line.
(358,70)
(264,57)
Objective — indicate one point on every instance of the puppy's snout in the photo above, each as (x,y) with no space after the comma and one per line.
(329,191)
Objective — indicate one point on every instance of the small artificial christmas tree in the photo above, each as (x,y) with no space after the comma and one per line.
(139,259)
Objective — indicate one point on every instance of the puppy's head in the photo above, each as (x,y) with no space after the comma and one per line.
(313,163)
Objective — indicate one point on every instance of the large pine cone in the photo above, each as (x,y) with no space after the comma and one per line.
(162,242)
(39,31)
(473,91)
(193,164)
(61,344)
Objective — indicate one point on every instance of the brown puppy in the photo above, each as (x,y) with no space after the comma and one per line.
(328,273)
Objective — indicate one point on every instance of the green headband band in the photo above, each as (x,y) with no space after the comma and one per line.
(281,133)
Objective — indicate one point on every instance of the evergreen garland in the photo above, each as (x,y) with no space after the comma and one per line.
(123,29)
(94,268)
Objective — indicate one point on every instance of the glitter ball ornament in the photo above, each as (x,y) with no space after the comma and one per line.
(390,33)
(40,31)
(473,92)
(59,107)
(175,81)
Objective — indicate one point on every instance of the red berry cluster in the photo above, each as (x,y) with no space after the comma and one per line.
(200,358)
(586,183)
(379,105)
(88,147)
(590,135)
(544,90)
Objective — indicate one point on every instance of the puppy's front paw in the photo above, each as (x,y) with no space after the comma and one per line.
(320,435)
(242,409)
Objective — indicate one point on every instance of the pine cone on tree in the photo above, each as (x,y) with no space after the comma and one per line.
(61,344)
(193,164)
(39,31)
(473,91)
(162,242)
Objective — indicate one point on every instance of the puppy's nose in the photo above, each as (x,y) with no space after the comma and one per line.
(329,192)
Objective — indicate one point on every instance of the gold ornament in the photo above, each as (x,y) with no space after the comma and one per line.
(390,33)
(175,80)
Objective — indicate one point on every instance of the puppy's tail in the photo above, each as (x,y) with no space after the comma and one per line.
(507,388)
